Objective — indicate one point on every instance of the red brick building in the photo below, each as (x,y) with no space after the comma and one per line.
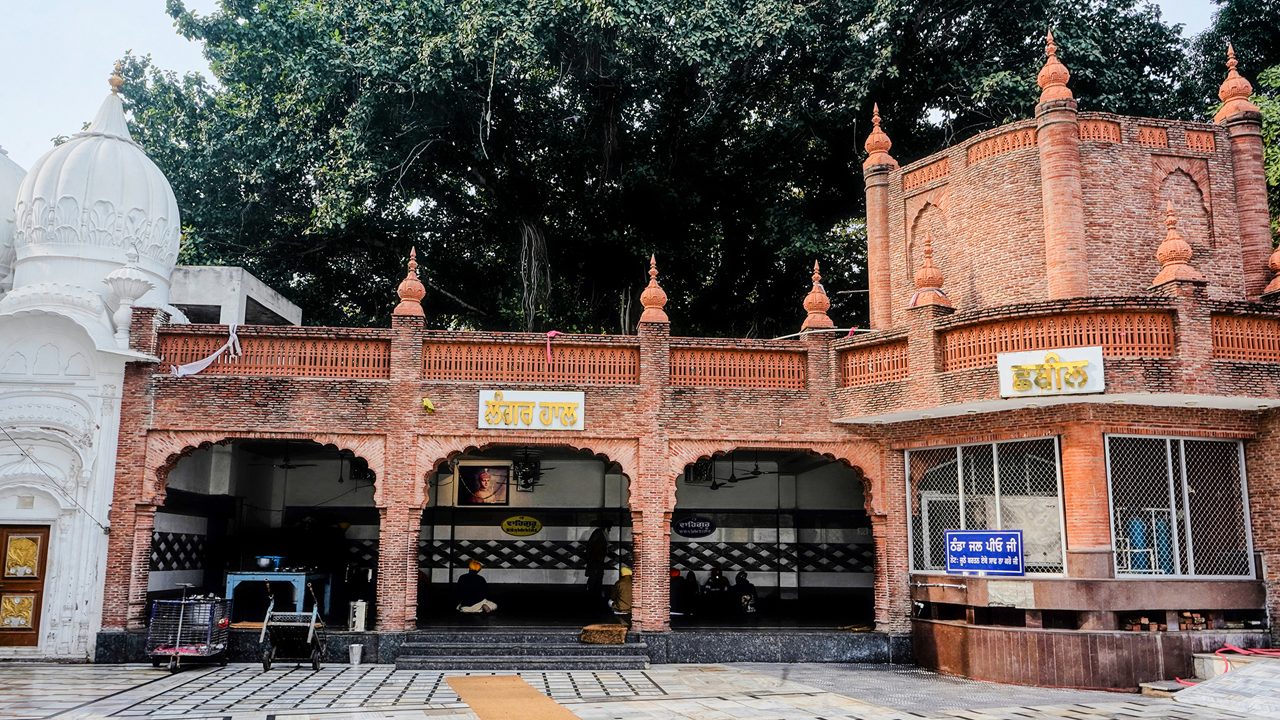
(1147,503)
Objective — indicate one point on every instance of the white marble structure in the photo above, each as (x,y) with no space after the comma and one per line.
(89,232)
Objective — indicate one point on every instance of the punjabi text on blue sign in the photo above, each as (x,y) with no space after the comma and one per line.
(990,552)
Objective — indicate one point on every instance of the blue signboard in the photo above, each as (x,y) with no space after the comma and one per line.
(989,552)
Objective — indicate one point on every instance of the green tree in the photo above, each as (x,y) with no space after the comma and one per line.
(537,151)
(1250,25)
(1267,99)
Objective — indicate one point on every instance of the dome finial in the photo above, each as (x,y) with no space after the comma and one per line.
(1234,91)
(929,280)
(1054,75)
(816,303)
(654,298)
(878,143)
(411,290)
(1174,254)
(117,80)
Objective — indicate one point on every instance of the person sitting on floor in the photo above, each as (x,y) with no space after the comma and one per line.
(620,599)
(472,590)
(679,594)
(745,592)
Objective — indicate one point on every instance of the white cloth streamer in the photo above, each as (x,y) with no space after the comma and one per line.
(232,344)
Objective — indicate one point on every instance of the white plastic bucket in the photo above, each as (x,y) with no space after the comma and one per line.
(355,650)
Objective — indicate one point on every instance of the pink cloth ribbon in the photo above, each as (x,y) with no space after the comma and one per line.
(550,335)
(852,330)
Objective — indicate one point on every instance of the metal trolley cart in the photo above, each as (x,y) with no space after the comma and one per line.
(189,628)
(296,636)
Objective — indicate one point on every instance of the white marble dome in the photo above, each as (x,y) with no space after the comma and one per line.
(11,175)
(85,203)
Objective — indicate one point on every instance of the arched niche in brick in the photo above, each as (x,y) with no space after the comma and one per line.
(861,457)
(166,448)
(1185,183)
(434,451)
(926,212)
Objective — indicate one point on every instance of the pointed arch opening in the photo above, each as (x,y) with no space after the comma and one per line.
(772,538)
(259,518)
(549,524)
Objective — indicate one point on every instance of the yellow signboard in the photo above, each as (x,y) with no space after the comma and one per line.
(521,526)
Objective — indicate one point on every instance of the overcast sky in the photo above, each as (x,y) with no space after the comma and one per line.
(57,55)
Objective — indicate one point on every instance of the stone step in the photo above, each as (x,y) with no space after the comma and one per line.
(498,637)
(1211,665)
(521,649)
(1165,688)
(506,662)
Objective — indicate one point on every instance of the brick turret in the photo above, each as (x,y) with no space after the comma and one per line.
(654,298)
(1174,255)
(875,170)
(411,290)
(1243,122)
(1058,138)
(929,281)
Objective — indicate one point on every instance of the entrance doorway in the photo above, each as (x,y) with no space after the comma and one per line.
(550,527)
(786,529)
(254,520)
(26,552)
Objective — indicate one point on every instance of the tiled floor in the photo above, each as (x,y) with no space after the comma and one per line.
(692,692)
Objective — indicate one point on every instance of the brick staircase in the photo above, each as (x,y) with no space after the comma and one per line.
(491,648)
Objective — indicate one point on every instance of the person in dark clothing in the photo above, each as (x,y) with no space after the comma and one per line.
(679,594)
(745,592)
(471,590)
(715,593)
(596,551)
(691,591)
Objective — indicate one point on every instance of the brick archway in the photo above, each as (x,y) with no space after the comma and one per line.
(433,451)
(165,449)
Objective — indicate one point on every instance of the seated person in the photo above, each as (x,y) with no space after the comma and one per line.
(715,593)
(471,590)
(745,592)
(620,598)
(679,594)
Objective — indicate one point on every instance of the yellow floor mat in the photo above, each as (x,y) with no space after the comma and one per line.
(506,697)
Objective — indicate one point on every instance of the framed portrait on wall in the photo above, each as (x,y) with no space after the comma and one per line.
(482,482)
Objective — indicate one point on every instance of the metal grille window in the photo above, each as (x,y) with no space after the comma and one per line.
(1179,507)
(994,486)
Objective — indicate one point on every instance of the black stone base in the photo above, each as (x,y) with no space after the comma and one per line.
(681,646)
(130,646)
(726,646)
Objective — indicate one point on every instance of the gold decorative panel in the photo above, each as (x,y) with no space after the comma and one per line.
(22,557)
(17,611)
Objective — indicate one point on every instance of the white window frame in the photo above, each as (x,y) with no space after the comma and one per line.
(1178,546)
(1062,503)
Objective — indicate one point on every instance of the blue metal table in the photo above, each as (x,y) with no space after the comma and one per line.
(298,580)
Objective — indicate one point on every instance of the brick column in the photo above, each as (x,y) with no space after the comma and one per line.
(924,352)
(893,553)
(653,491)
(1065,254)
(402,493)
(879,292)
(132,515)
(1245,132)
(1084,497)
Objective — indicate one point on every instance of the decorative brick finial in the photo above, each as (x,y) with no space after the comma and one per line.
(1175,254)
(654,298)
(1274,285)
(411,290)
(816,303)
(116,80)
(1235,91)
(1054,75)
(878,143)
(929,280)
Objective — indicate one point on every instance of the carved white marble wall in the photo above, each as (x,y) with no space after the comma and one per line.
(59,402)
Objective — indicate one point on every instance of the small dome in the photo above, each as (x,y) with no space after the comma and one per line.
(11,175)
(86,203)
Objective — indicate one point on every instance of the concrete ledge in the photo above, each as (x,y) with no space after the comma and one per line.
(737,645)
(1102,660)
(130,647)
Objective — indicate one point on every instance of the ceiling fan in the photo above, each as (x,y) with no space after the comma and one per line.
(527,468)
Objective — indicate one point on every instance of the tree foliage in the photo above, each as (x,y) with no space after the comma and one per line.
(537,151)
